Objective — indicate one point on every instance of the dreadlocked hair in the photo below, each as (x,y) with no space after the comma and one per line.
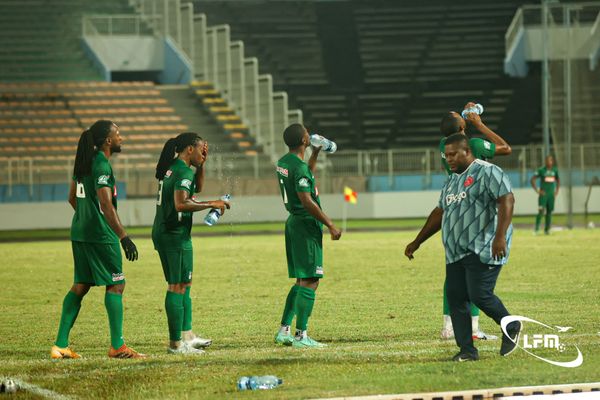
(90,140)
(172,148)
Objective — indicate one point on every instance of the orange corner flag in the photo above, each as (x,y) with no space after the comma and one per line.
(350,195)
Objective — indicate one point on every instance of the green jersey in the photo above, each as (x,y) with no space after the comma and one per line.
(481,149)
(171,229)
(548,178)
(294,176)
(89,224)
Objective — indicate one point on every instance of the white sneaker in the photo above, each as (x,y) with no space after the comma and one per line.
(447,333)
(481,335)
(197,342)
(185,349)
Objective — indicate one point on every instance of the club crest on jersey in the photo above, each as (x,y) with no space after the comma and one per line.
(186,183)
(303,182)
(455,198)
(469,181)
(282,171)
(103,179)
(487,145)
(169,173)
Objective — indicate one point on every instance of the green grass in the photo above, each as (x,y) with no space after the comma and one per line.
(379,313)
(277,227)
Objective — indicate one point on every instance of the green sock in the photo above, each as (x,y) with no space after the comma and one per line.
(114,307)
(474,310)
(174,307)
(538,219)
(548,221)
(187,310)
(289,311)
(70,310)
(305,300)
(446,308)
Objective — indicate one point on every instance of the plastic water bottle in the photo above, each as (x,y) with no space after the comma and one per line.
(258,382)
(477,109)
(8,386)
(214,214)
(327,145)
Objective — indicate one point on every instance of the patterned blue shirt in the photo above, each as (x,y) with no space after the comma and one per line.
(471,213)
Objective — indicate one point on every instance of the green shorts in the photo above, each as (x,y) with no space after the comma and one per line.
(304,247)
(98,264)
(177,264)
(546,202)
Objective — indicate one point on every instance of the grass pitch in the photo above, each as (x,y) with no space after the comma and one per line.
(379,313)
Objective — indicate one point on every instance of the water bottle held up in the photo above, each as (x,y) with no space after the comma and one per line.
(477,109)
(327,145)
(258,382)
(214,214)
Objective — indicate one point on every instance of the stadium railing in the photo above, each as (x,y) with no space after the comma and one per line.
(421,168)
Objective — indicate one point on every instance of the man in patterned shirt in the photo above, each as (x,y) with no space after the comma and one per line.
(474,212)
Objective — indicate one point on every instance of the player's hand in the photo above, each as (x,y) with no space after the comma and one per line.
(129,248)
(541,192)
(336,234)
(556,193)
(221,205)
(410,249)
(469,105)
(498,248)
(315,149)
(473,119)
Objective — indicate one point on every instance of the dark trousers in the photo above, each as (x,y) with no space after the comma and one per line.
(471,280)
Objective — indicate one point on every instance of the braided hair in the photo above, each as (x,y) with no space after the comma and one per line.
(172,148)
(90,140)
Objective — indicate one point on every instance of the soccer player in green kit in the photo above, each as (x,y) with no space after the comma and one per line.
(303,235)
(175,204)
(549,185)
(95,234)
(481,149)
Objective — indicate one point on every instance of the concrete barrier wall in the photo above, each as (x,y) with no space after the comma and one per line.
(270,208)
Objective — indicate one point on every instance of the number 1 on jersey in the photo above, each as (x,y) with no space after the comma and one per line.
(283,192)
(159,197)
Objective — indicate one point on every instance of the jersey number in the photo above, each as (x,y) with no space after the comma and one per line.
(285,199)
(159,197)
(80,191)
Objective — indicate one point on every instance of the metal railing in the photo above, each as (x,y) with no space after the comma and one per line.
(137,171)
(116,24)
(220,61)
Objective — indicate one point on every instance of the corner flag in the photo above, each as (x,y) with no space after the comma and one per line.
(350,196)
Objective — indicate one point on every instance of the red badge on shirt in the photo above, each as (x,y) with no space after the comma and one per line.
(469,181)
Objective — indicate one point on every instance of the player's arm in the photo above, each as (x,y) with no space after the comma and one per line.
(184,203)
(313,209)
(110,213)
(312,161)
(502,148)
(72,200)
(557,185)
(431,227)
(104,194)
(534,184)
(505,212)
